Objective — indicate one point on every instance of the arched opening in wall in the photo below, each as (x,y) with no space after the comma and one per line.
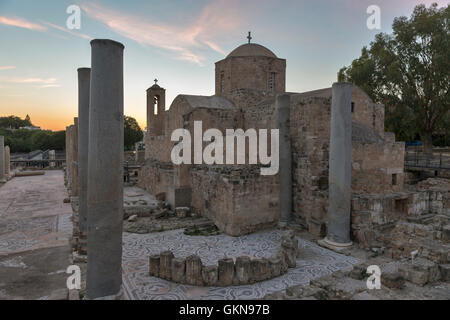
(272,82)
(156,101)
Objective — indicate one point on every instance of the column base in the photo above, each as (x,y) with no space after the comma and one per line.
(118,296)
(335,246)
(282,224)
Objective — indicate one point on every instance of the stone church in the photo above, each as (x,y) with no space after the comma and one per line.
(237,197)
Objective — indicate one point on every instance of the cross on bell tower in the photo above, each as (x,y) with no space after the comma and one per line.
(156,81)
(249,37)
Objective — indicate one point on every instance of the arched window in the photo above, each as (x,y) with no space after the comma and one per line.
(272,81)
(155,104)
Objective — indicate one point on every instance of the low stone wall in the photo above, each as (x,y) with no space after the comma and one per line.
(228,272)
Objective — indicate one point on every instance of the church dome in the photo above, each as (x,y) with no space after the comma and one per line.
(251,50)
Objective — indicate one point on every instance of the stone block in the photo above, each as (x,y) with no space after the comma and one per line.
(446,234)
(210,275)
(181,212)
(420,272)
(194,270)
(444,270)
(242,270)
(392,280)
(226,272)
(289,247)
(154,263)
(276,267)
(178,270)
(133,218)
(165,265)
(179,197)
(260,269)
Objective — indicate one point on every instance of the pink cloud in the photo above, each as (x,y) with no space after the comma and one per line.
(7,67)
(21,23)
(77,34)
(218,17)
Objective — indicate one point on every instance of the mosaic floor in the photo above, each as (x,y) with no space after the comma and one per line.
(314,262)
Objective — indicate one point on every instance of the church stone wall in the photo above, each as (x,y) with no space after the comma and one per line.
(237,198)
(250,73)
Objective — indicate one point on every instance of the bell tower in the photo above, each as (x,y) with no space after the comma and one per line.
(156,106)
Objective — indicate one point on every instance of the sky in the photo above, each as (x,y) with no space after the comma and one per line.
(175,41)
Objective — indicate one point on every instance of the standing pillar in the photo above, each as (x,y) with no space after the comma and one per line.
(66,172)
(2,159)
(7,162)
(69,158)
(105,171)
(74,157)
(282,107)
(84,79)
(340,166)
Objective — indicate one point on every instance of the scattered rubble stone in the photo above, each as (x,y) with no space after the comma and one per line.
(194,270)
(133,218)
(421,271)
(226,271)
(154,262)
(210,275)
(178,270)
(165,265)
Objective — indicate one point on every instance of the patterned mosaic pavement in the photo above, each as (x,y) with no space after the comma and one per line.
(313,262)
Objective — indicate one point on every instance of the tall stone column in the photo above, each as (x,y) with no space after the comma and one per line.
(7,162)
(340,166)
(2,159)
(282,108)
(69,157)
(84,80)
(66,173)
(74,157)
(105,171)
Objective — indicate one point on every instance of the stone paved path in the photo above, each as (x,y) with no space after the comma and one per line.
(35,228)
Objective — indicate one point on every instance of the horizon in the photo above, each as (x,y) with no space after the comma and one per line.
(181,43)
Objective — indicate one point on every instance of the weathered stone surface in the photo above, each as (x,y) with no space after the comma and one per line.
(444,270)
(446,234)
(165,265)
(392,280)
(242,270)
(179,270)
(276,266)
(210,275)
(226,271)
(182,212)
(194,270)
(420,272)
(289,248)
(133,218)
(260,269)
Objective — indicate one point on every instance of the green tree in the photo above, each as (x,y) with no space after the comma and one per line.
(132,132)
(408,71)
(14,122)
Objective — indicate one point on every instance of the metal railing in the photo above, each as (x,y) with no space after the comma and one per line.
(420,160)
(40,164)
